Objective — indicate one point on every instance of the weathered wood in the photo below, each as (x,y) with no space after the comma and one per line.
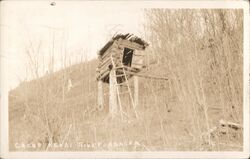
(113,54)
(103,68)
(101,71)
(106,55)
(136,91)
(126,68)
(129,44)
(112,49)
(100,95)
(104,65)
(116,51)
(147,76)
(138,65)
(104,74)
(230,125)
(105,60)
(112,94)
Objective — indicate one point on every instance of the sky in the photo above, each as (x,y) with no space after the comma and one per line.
(76,27)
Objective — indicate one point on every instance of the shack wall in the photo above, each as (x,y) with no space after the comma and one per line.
(116,51)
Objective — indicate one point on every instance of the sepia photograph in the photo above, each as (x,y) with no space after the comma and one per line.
(107,77)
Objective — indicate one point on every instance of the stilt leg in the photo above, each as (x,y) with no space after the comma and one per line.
(112,94)
(100,95)
(136,91)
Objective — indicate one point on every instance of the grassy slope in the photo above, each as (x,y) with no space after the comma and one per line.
(44,111)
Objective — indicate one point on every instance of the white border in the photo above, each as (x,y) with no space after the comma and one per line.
(160,154)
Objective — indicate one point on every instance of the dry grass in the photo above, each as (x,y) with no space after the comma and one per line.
(204,86)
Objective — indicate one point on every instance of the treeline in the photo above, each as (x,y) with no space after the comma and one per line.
(202,51)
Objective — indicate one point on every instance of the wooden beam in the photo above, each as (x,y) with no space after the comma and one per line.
(106,55)
(104,66)
(100,95)
(129,44)
(136,91)
(112,94)
(104,61)
(230,124)
(101,76)
(147,76)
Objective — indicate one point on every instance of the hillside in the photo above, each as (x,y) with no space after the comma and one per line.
(199,107)
(47,110)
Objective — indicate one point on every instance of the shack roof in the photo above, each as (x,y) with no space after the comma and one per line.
(127,36)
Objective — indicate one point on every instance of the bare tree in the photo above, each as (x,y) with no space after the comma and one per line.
(204,61)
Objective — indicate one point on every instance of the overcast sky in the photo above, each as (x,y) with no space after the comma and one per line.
(77,27)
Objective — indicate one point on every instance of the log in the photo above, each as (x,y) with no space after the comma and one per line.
(129,44)
(106,55)
(105,64)
(232,125)
(104,74)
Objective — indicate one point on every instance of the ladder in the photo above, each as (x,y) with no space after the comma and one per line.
(124,83)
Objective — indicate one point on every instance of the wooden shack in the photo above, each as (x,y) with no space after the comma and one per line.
(123,51)
(119,60)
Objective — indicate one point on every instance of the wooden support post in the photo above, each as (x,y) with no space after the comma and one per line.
(136,91)
(112,94)
(100,95)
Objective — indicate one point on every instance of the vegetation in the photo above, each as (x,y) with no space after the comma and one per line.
(201,54)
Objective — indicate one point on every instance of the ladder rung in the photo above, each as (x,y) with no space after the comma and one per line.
(119,84)
(138,55)
(119,67)
(120,75)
